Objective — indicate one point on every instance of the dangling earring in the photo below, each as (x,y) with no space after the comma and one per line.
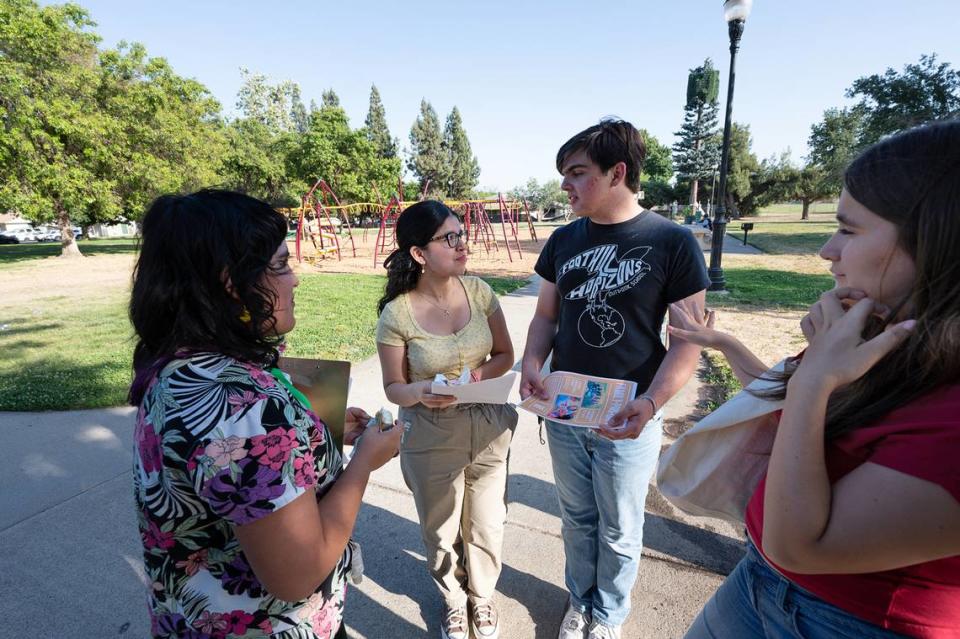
(244,315)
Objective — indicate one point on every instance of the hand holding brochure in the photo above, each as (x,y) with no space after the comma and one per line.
(488,391)
(580,400)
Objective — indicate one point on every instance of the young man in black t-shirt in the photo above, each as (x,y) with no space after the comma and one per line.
(608,280)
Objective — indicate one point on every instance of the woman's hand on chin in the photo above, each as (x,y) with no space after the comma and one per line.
(838,354)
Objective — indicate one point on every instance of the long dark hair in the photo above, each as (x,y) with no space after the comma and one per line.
(415,226)
(191,246)
(913,181)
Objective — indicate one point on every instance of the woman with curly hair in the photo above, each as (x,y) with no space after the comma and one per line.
(244,507)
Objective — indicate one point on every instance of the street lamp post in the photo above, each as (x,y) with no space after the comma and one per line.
(735,12)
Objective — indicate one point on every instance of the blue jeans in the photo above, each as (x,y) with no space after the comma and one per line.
(755,601)
(602,487)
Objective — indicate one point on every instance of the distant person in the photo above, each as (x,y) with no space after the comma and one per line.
(434,320)
(243,504)
(855,531)
(608,278)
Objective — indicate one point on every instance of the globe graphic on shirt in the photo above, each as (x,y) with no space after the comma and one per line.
(601,327)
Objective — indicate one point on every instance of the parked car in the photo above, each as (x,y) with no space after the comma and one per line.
(21,235)
(8,239)
(50,235)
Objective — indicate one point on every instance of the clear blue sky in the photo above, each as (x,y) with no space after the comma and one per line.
(527,75)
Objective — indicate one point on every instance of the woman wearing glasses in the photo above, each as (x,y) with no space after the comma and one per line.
(433,319)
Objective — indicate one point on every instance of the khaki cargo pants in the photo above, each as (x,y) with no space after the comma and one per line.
(455,462)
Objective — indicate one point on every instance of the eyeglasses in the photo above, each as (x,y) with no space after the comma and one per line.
(453,239)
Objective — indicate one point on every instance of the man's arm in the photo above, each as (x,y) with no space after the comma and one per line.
(540,336)
(675,369)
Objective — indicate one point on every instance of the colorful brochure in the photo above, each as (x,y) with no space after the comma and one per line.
(580,400)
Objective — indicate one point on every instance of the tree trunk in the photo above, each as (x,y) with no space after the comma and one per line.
(68,244)
(805,215)
(694,187)
(695,183)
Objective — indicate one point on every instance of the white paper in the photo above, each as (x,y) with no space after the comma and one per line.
(487,391)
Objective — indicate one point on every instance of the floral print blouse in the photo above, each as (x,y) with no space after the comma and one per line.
(218,443)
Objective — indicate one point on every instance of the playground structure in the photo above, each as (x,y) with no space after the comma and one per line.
(324,224)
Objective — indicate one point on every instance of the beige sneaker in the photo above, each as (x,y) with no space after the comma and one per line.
(574,624)
(485,621)
(454,624)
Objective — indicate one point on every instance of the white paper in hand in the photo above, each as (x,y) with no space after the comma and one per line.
(488,391)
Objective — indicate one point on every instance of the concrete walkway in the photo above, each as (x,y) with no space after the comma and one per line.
(70,561)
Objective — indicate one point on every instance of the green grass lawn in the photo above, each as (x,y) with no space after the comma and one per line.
(60,354)
(784,208)
(11,254)
(778,229)
(769,289)
(790,238)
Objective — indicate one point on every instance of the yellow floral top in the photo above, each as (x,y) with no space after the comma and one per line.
(429,354)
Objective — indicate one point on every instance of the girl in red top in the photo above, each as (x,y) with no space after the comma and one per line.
(855,531)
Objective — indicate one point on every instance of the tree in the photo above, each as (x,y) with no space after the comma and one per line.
(463,169)
(345,158)
(697,152)
(167,135)
(742,166)
(330,98)
(376,123)
(91,137)
(657,192)
(427,158)
(894,101)
(255,163)
(833,143)
(298,112)
(541,197)
(53,133)
(772,181)
(658,165)
(278,107)
(812,185)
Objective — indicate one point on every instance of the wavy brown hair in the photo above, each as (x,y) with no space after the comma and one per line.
(913,181)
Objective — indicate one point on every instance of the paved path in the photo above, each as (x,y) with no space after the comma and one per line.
(70,554)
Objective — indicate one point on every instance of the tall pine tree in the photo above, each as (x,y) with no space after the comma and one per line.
(697,153)
(330,98)
(463,168)
(427,158)
(377,131)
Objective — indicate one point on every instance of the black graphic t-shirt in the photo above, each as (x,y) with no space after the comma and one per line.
(615,282)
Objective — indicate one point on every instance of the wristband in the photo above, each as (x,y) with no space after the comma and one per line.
(652,401)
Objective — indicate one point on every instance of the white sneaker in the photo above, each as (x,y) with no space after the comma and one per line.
(454,624)
(485,621)
(602,631)
(574,624)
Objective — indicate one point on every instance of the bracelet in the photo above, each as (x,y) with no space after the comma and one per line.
(652,401)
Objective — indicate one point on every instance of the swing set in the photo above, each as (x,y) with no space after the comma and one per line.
(322,220)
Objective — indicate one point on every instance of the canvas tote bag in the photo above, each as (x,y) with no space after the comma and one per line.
(713,468)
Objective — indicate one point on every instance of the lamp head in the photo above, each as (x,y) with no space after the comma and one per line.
(736,10)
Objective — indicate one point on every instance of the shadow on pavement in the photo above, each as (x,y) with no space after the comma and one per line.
(392,548)
(705,549)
